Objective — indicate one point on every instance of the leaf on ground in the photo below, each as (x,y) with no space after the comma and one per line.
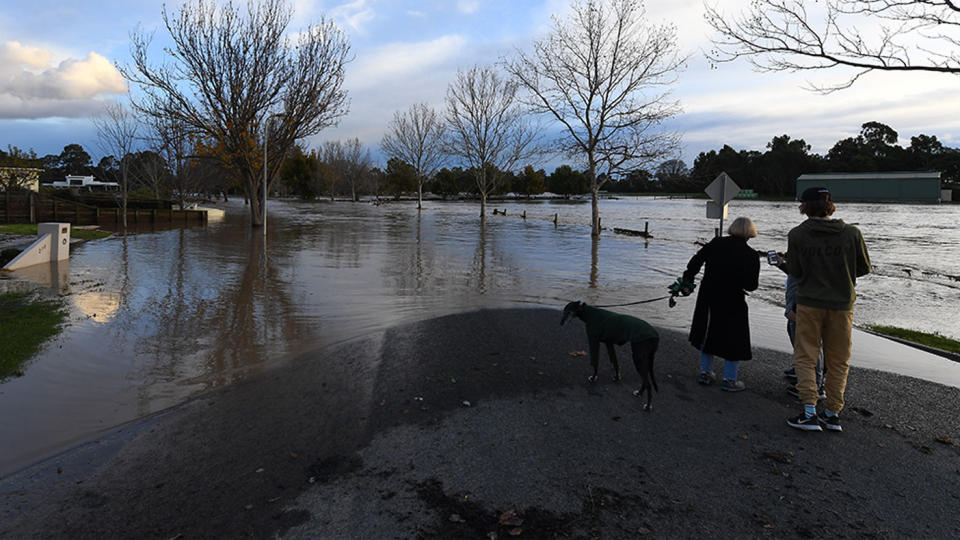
(945,439)
(455,518)
(515,532)
(510,519)
(578,353)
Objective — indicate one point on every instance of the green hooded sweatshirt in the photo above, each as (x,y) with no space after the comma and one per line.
(826,256)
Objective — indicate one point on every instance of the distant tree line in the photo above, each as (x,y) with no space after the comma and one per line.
(151,174)
(774,171)
(345,170)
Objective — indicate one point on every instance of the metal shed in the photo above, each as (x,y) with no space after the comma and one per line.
(914,187)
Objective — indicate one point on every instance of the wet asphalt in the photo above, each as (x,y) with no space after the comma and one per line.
(484,423)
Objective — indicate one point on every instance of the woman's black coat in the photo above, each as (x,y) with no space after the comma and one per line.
(720,324)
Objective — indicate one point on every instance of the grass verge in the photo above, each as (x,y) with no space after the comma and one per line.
(25,324)
(930,340)
(31,229)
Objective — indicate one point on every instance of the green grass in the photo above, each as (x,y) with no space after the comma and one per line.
(25,324)
(31,229)
(923,338)
(19,228)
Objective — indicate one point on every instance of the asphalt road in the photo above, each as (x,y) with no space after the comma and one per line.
(483,423)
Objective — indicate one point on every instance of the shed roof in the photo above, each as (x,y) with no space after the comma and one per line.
(894,175)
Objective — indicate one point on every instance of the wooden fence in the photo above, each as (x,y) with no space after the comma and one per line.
(31,207)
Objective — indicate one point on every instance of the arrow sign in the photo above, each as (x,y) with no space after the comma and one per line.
(722,189)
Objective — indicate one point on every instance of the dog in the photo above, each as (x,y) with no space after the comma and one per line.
(616,329)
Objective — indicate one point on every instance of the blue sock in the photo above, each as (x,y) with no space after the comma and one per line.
(828,413)
(810,410)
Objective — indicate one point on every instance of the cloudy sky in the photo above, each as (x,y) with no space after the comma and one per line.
(57,69)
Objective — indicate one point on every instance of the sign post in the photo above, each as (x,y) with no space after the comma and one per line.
(721,191)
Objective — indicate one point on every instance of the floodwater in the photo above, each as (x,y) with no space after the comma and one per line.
(157,317)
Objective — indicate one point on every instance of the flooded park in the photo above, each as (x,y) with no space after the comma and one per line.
(158,317)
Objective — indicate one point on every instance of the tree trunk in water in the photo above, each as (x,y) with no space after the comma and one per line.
(594,200)
(256,213)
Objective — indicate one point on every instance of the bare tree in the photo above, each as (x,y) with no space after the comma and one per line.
(862,35)
(331,166)
(602,73)
(357,163)
(486,128)
(416,136)
(117,131)
(169,138)
(148,169)
(229,73)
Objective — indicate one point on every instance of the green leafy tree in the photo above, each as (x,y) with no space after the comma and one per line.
(14,168)
(401,177)
(740,165)
(531,181)
(75,160)
(566,181)
(297,173)
(444,183)
(784,161)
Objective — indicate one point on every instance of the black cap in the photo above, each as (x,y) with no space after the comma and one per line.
(815,194)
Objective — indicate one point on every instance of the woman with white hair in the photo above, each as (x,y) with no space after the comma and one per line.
(720,324)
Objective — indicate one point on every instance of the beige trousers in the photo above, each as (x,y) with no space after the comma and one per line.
(831,328)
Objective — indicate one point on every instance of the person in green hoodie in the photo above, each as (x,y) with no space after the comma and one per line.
(826,256)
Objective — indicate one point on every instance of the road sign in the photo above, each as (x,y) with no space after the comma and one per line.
(722,189)
(715,211)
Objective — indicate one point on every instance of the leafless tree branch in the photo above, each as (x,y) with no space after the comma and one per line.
(603,74)
(862,35)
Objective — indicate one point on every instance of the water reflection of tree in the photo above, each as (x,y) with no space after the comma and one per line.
(412,262)
(214,337)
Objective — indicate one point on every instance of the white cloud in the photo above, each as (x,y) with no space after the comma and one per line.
(13,52)
(397,63)
(353,15)
(31,87)
(468,6)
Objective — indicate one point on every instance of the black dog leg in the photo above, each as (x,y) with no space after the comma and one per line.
(643,354)
(594,358)
(612,353)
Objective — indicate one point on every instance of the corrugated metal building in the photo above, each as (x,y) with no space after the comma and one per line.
(876,187)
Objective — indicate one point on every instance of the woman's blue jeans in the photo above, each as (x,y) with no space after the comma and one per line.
(730,367)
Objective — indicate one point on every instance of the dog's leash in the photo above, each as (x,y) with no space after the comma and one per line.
(639,302)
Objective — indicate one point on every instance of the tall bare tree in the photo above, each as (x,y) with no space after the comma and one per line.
(228,73)
(416,136)
(602,73)
(169,138)
(117,131)
(486,128)
(357,163)
(861,35)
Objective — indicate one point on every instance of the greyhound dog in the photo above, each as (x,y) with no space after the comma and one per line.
(615,329)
